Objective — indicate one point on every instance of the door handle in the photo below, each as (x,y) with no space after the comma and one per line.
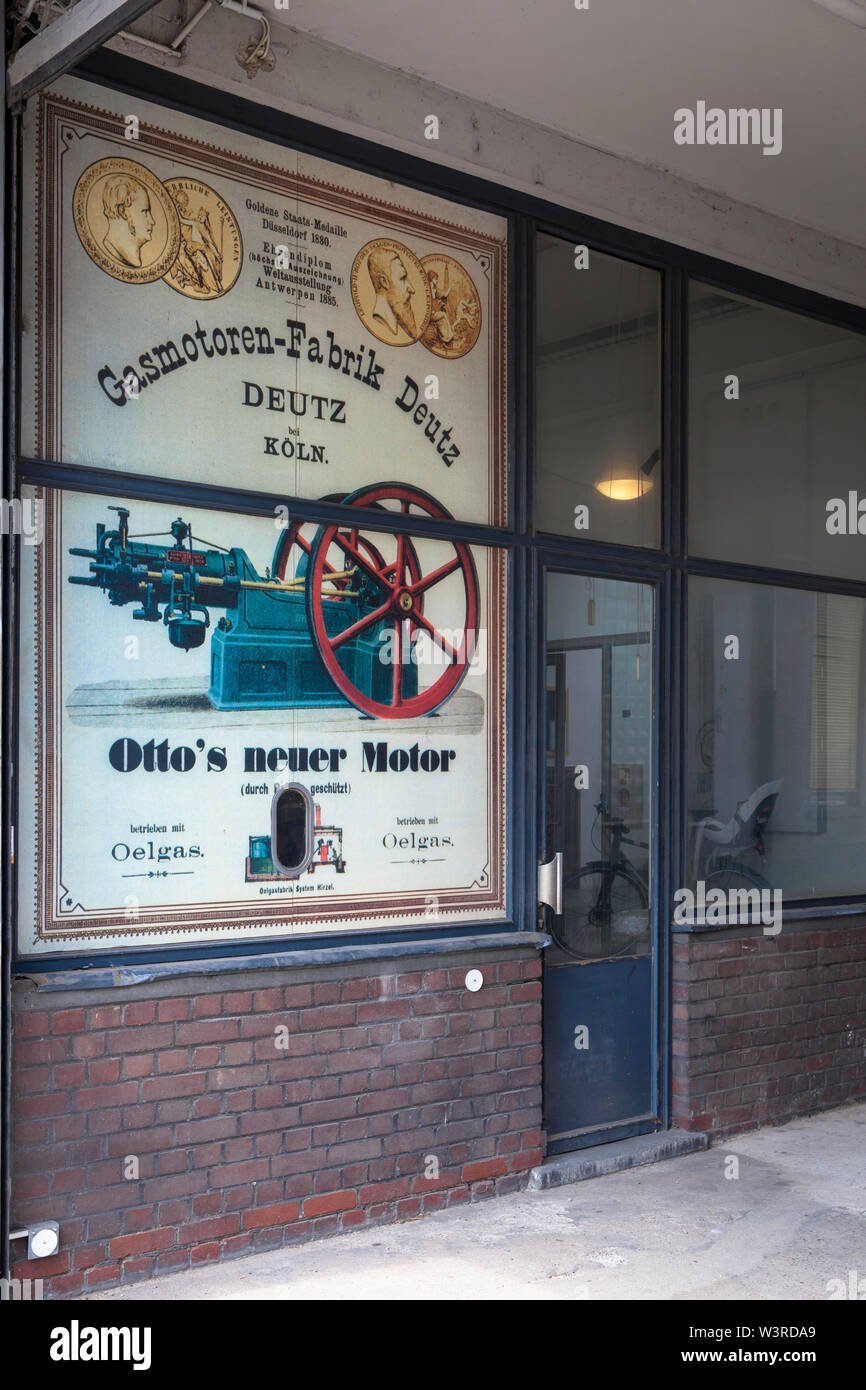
(549,887)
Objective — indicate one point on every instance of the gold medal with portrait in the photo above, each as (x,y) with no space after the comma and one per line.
(455,316)
(126,221)
(211,249)
(390,292)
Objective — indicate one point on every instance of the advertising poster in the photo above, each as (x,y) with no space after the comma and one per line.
(217,309)
(204,307)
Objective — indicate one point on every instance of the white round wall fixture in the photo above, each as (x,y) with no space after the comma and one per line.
(43,1240)
(474,980)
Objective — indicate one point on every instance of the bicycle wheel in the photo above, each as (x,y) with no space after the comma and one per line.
(605,913)
(739,879)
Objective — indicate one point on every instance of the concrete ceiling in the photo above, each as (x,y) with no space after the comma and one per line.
(613,75)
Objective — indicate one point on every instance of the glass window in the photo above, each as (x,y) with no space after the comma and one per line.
(777,431)
(598,430)
(776,748)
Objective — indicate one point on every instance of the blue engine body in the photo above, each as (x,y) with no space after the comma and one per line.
(263,654)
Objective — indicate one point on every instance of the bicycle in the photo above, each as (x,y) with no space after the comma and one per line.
(607,901)
(606,908)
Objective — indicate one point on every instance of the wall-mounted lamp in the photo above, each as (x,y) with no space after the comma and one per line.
(627,485)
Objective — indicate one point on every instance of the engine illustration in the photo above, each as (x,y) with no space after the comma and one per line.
(335,620)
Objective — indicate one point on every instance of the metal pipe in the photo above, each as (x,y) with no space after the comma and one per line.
(272,585)
(188,28)
(149,43)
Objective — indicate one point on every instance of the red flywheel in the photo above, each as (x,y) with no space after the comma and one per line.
(295,534)
(397,592)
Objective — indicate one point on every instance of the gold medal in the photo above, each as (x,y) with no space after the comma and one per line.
(391,292)
(455,316)
(211,249)
(126,220)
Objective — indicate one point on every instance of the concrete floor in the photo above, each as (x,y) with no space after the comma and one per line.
(793,1219)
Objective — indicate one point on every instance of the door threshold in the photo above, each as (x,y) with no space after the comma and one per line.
(581,1164)
(591,1130)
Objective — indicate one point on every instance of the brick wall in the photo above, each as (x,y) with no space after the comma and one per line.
(243,1144)
(766,1028)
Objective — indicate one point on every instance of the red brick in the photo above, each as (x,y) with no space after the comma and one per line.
(67,1285)
(203,1254)
(104,1016)
(329,1202)
(104,1071)
(236,1245)
(35,1025)
(380,1009)
(69,1021)
(297,996)
(530,1158)
(173,1213)
(206,1006)
(143,1038)
(180,1084)
(104,1097)
(142,1242)
(232,1174)
(37,1185)
(172,1010)
(171,1060)
(216,1228)
(237,1001)
(42,1269)
(170,1260)
(207,1031)
(34,1080)
(326,992)
(385,1191)
(281,1214)
(232,1078)
(487,1168)
(265,999)
(353,990)
(329,1016)
(37,1050)
(143,1011)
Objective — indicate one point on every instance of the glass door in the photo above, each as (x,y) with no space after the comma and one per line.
(600,808)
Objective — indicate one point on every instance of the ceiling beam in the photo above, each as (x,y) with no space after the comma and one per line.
(58,47)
